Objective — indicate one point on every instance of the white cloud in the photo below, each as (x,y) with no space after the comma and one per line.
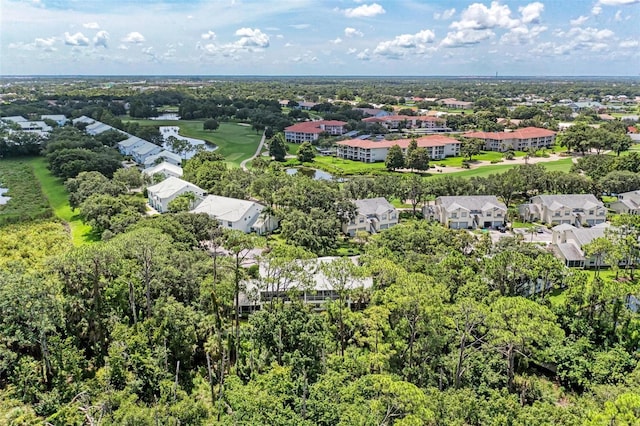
(352,32)
(252,38)
(531,12)
(365,11)
(351,51)
(596,10)
(446,15)
(618,2)
(405,44)
(77,39)
(337,40)
(300,26)
(134,38)
(618,16)
(579,21)
(629,44)
(209,35)
(123,47)
(46,44)
(91,25)
(364,55)
(480,17)
(465,38)
(523,34)
(101,39)
(589,35)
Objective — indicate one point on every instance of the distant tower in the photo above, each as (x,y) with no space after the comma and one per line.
(496,74)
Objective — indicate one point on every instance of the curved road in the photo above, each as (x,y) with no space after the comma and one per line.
(243,165)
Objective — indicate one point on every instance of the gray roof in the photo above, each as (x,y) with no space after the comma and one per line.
(584,236)
(471,202)
(572,201)
(83,119)
(15,118)
(145,148)
(162,168)
(630,195)
(171,186)
(163,154)
(224,208)
(130,141)
(570,251)
(563,227)
(373,206)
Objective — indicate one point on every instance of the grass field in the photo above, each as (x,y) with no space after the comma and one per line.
(563,165)
(235,142)
(341,167)
(58,197)
(27,199)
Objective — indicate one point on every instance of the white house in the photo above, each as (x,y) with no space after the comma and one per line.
(60,119)
(161,194)
(467,212)
(315,290)
(574,209)
(145,150)
(166,169)
(371,151)
(163,156)
(242,215)
(568,242)
(373,215)
(127,146)
(97,127)
(83,119)
(627,202)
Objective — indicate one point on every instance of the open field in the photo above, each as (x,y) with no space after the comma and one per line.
(58,197)
(235,142)
(27,199)
(563,165)
(341,167)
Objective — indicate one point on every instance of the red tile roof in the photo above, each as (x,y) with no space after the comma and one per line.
(525,133)
(400,118)
(313,126)
(423,142)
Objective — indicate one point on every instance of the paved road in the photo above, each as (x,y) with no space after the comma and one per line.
(243,165)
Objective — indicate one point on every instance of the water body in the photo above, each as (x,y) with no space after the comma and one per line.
(168,131)
(3,199)
(312,173)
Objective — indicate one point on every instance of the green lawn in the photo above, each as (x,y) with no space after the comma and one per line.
(235,142)
(563,165)
(341,167)
(53,188)
(27,199)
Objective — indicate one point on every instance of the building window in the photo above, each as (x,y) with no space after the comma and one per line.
(591,212)
(566,213)
(454,215)
(463,214)
(384,217)
(488,214)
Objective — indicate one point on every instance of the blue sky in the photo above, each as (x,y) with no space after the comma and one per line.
(320,37)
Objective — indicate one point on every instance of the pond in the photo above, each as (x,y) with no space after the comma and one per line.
(169,131)
(3,199)
(312,173)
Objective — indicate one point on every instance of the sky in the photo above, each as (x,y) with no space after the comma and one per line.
(320,37)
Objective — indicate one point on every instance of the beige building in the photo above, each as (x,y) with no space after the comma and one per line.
(374,215)
(572,209)
(467,212)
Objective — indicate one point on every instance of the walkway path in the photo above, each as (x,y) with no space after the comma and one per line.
(243,165)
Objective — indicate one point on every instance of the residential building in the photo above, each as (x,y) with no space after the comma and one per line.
(397,122)
(145,150)
(373,215)
(161,194)
(518,140)
(127,146)
(311,286)
(454,103)
(627,202)
(242,215)
(373,112)
(568,244)
(572,209)
(162,156)
(34,126)
(83,119)
(60,119)
(309,131)
(371,151)
(97,127)
(165,169)
(467,212)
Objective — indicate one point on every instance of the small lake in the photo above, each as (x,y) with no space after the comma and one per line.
(168,131)
(312,173)
(3,199)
